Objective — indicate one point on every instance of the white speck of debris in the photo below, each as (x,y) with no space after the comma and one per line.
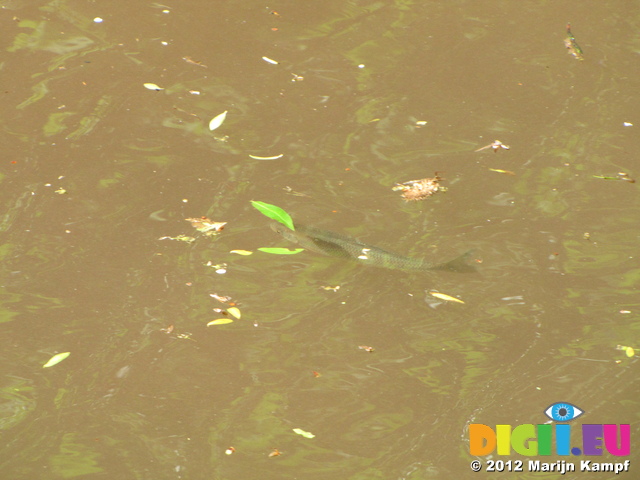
(269,60)
(627,124)
(221,271)
(361,65)
(165,43)
(166,11)
(98,20)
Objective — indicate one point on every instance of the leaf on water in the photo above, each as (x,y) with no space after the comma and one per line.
(241,252)
(366,348)
(280,251)
(269,60)
(56,359)
(234,311)
(217,120)
(274,212)
(444,296)
(267,158)
(299,431)
(152,86)
(219,321)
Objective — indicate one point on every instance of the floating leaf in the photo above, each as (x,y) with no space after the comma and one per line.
(152,86)
(241,252)
(274,212)
(299,431)
(444,296)
(217,120)
(280,251)
(234,311)
(269,60)
(56,359)
(629,351)
(267,158)
(220,321)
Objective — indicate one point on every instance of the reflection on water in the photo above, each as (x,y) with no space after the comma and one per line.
(98,168)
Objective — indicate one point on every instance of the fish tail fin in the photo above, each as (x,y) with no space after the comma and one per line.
(458,265)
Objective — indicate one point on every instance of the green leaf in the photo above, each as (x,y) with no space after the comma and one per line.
(280,251)
(56,359)
(275,213)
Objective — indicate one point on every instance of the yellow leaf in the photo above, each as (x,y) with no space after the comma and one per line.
(234,311)
(219,321)
(444,296)
(629,351)
(56,359)
(242,252)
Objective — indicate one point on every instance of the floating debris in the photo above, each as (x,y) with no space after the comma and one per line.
(621,176)
(506,172)
(366,348)
(220,298)
(217,120)
(275,453)
(152,86)
(180,238)
(629,351)
(242,252)
(415,190)
(445,297)
(56,359)
(220,321)
(333,289)
(206,226)
(291,191)
(194,62)
(274,157)
(495,145)
(570,42)
(305,434)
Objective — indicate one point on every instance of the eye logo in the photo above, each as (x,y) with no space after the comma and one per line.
(563,412)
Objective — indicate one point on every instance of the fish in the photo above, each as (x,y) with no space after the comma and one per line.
(336,245)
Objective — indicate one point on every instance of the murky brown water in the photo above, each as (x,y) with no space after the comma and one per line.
(96,169)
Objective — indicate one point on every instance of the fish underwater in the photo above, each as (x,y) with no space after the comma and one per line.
(336,245)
